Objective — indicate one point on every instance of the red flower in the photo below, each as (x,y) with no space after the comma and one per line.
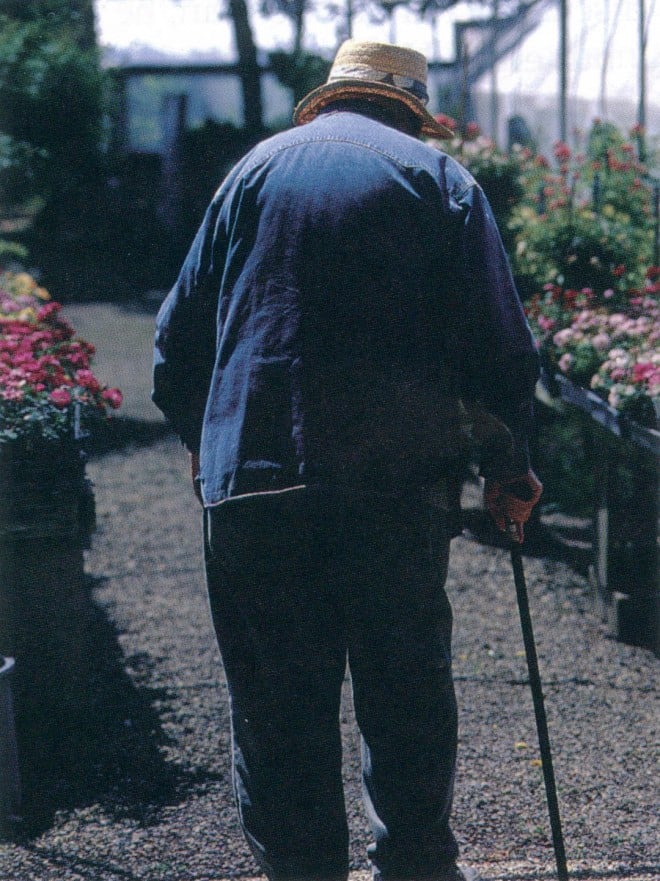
(87,380)
(48,310)
(447,121)
(61,397)
(619,270)
(113,397)
(562,152)
(472,131)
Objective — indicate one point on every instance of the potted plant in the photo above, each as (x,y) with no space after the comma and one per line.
(49,397)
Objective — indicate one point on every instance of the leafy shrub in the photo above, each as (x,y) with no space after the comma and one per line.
(586,224)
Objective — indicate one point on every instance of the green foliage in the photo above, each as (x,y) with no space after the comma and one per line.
(51,98)
(52,104)
(563,461)
(18,166)
(299,71)
(11,251)
(75,16)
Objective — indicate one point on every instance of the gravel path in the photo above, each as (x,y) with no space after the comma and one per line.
(147,794)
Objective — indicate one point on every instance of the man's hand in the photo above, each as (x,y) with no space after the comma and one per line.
(510,502)
(194,473)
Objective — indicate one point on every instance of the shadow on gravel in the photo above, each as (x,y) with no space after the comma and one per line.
(88,735)
(539,541)
(119,433)
(639,872)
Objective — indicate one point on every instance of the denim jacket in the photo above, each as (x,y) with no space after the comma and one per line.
(346,291)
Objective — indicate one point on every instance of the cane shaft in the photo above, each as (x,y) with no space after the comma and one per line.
(539,712)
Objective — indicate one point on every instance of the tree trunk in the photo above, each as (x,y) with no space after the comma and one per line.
(248,67)
(299,24)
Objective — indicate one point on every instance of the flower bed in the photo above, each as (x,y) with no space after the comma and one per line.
(606,342)
(45,370)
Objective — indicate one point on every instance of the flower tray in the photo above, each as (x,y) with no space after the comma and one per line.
(603,414)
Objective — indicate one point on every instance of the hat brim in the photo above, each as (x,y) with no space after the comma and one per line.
(312,104)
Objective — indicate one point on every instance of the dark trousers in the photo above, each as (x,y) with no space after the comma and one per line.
(299,581)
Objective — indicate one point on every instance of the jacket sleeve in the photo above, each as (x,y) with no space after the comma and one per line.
(498,357)
(186,328)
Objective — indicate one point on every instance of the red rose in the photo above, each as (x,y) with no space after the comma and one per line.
(113,397)
(61,397)
(87,380)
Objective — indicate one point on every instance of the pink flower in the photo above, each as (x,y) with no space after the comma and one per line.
(643,371)
(11,394)
(87,380)
(48,310)
(61,397)
(566,362)
(600,342)
(113,397)
(562,337)
(617,374)
(545,323)
(608,294)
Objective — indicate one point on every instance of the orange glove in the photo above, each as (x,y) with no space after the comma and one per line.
(510,502)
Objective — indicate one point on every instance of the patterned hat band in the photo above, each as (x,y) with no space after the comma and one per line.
(362,72)
(363,69)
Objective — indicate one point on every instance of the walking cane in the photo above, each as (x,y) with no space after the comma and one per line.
(539,708)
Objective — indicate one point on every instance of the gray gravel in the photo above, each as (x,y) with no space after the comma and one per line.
(149,795)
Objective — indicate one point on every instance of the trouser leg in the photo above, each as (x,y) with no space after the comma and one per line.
(399,653)
(282,639)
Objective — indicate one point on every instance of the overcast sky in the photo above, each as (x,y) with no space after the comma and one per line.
(180,28)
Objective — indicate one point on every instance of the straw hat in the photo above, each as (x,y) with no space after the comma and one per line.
(361,69)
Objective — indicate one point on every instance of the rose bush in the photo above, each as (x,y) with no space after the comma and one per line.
(45,370)
(587,221)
